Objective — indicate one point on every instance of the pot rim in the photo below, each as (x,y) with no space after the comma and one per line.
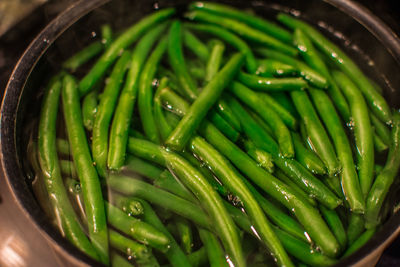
(62,22)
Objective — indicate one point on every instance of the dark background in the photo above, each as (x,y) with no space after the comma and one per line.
(13,43)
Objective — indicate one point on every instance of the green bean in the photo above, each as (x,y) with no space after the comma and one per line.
(223,125)
(258,23)
(326,110)
(293,169)
(228,115)
(385,178)
(335,224)
(129,247)
(143,167)
(271,84)
(145,93)
(241,29)
(63,147)
(308,74)
(48,159)
(345,64)
(67,168)
(318,138)
(123,113)
(123,41)
(83,56)
(198,110)
(362,130)
(106,35)
(174,254)
(355,227)
(210,201)
(305,213)
(137,229)
(379,145)
(89,109)
(263,158)
(177,61)
(284,100)
(182,207)
(196,71)
(105,112)
(215,59)
(307,157)
(198,258)
(87,174)
(272,68)
(230,178)
(300,192)
(185,233)
(359,242)
(195,45)
(215,253)
(281,132)
(119,261)
(301,250)
(164,129)
(230,38)
(380,129)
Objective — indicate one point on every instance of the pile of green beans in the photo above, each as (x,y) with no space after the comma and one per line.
(251,142)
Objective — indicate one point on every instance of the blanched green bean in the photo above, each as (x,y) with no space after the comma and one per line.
(271,84)
(195,45)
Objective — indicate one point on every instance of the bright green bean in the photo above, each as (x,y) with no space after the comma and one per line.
(105,112)
(91,188)
(89,109)
(307,157)
(83,56)
(215,59)
(123,41)
(272,68)
(271,84)
(123,113)
(143,167)
(263,158)
(185,233)
(335,224)
(198,110)
(129,247)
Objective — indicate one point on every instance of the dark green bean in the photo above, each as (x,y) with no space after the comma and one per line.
(230,38)
(380,129)
(167,181)
(215,253)
(258,23)
(362,130)
(359,242)
(228,115)
(273,68)
(318,138)
(198,258)
(241,29)
(185,233)
(63,147)
(123,113)
(123,41)
(164,129)
(195,45)
(223,125)
(137,229)
(349,180)
(177,61)
(344,63)
(307,157)
(281,132)
(355,227)
(67,168)
(271,84)
(284,100)
(89,109)
(385,178)
(91,189)
(198,110)
(145,93)
(119,261)
(308,74)
(48,159)
(105,112)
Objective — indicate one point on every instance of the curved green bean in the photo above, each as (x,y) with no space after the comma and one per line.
(123,113)
(362,130)
(91,188)
(105,112)
(145,93)
(123,41)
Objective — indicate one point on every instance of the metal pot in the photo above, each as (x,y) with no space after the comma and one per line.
(371,44)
